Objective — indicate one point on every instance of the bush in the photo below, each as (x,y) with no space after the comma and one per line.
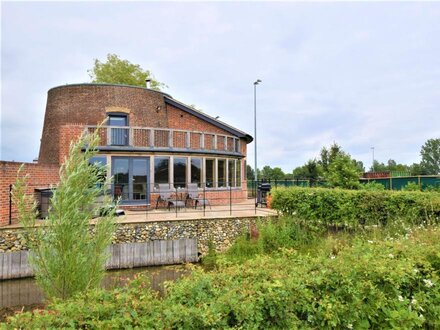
(350,208)
(411,186)
(379,284)
(375,186)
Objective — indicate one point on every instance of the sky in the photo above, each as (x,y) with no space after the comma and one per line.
(359,74)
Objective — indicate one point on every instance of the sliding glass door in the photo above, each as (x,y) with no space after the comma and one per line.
(130,179)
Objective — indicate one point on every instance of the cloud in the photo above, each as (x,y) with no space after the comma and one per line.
(360,74)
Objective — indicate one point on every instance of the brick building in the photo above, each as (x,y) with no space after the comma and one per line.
(148,138)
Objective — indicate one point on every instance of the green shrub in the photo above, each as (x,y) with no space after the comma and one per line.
(351,209)
(375,186)
(380,284)
(411,186)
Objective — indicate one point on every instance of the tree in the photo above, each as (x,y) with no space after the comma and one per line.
(66,257)
(250,173)
(117,71)
(431,156)
(309,171)
(328,155)
(343,172)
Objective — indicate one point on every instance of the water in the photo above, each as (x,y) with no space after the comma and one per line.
(25,292)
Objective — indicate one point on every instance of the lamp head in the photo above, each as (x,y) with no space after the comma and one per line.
(257,82)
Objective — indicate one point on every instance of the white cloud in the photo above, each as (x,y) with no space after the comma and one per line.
(360,74)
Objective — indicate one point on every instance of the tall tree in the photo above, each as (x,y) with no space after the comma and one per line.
(310,171)
(343,172)
(431,156)
(118,71)
(329,155)
(250,173)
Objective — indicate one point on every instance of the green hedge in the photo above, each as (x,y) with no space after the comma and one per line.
(338,207)
(367,284)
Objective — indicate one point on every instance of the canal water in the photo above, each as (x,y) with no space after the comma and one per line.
(25,292)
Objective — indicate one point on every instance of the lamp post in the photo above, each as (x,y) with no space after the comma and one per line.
(255,126)
(372,166)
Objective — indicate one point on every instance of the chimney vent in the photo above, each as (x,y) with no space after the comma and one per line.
(147,82)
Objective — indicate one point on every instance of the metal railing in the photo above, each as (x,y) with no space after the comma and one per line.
(181,201)
(165,138)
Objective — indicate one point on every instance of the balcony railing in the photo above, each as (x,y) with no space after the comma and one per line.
(149,138)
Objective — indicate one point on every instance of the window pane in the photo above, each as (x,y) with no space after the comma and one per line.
(231,172)
(179,172)
(210,173)
(139,178)
(221,170)
(120,177)
(238,172)
(196,170)
(161,170)
(99,162)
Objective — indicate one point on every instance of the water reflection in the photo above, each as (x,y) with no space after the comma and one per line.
(24,292)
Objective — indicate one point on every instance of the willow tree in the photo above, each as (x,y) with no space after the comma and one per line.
(67,253)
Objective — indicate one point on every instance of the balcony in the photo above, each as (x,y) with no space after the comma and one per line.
(126,138)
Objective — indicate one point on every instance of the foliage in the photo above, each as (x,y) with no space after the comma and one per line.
(431,156)
(275,173)
(358,284)
(66,257)
(329,155)
(273,235)
(343,172)
(118,71)
(250,173)
(375,186)
(309,171)
(356,208)
(411,186)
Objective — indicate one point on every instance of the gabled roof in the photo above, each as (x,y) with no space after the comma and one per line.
(209,119)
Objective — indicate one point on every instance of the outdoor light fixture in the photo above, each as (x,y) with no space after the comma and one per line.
(372,166)
(255,125)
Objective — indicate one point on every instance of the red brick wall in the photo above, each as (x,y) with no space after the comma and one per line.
(68,134)
(215,197)
(87,104)
(40,176)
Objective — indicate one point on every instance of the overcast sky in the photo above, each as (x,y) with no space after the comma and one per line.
(359,74)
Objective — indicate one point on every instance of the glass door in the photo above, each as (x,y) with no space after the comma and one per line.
(118,135)
(130,178)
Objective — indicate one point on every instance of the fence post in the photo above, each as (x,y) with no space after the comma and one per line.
(10,204)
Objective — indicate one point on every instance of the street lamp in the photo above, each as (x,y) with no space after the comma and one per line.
(255,126)
(372,166)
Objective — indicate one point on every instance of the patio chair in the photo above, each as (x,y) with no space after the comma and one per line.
(193,194)
(165,193)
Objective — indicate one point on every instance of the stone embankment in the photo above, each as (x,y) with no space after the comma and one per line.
(221,232)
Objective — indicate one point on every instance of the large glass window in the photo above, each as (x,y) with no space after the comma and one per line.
(210,172)
(196,171)
(238,172)
(161,169)
(100,165)
(221,172)
(231,172)
(120,175)
(139,178)
(179,172)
